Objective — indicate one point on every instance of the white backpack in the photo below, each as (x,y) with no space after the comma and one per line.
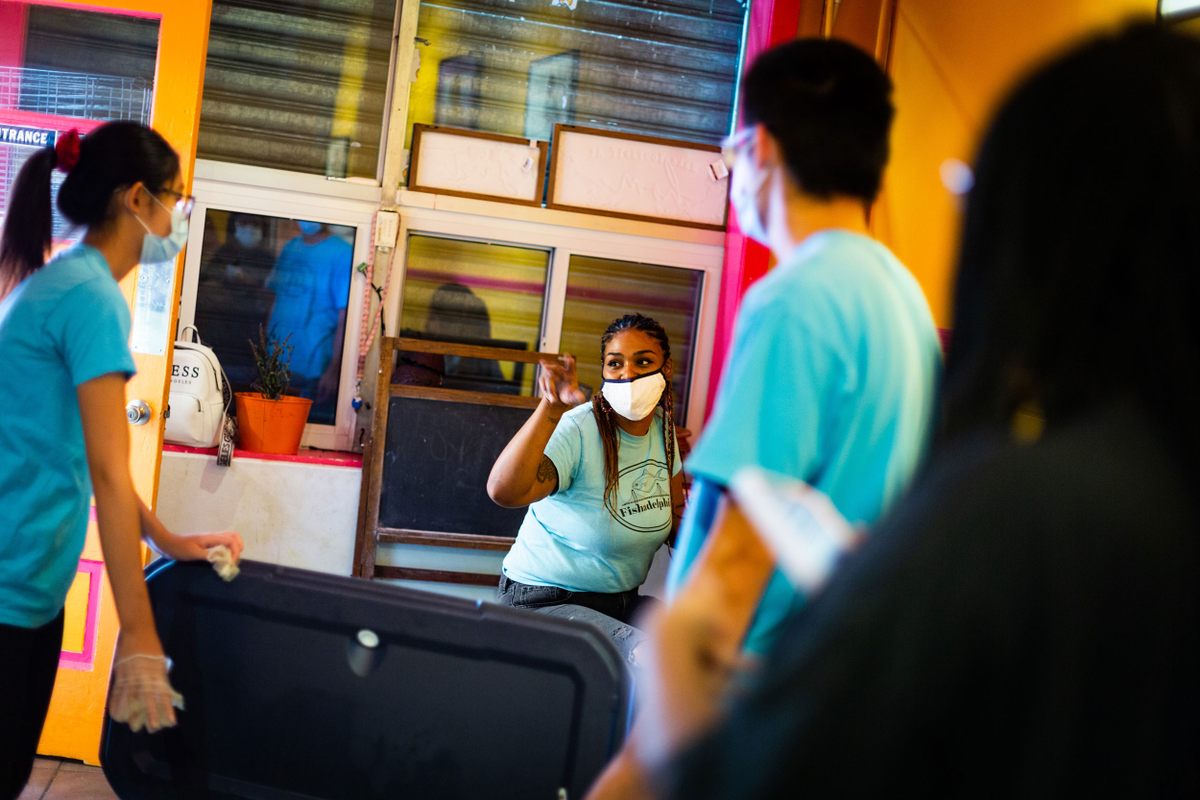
(197,411)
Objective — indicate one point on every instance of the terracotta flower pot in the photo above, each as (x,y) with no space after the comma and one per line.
(271,426)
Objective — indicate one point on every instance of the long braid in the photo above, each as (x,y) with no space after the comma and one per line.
(667,404)
(604,414)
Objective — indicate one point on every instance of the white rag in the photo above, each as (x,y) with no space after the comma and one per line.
(222,560)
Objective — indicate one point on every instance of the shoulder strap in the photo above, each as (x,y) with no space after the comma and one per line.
(228,424)
(195,335)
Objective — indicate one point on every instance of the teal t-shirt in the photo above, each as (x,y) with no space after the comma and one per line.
(311,283)
(832,379)
(62,326)
(572,539)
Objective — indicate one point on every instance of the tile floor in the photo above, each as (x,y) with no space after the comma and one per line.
(54,779)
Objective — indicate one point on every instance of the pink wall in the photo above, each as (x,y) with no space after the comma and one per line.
(771,22)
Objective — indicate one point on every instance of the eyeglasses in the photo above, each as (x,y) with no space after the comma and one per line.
(731,145)
(183,202)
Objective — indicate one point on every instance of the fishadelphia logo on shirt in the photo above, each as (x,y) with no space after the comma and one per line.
(645,493)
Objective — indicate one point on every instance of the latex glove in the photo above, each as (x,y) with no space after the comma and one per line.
(223,562)
(142,696)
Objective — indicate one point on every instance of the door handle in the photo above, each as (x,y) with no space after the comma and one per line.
(137,412)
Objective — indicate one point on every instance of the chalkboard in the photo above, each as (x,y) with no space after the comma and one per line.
(436,460)
(426,466)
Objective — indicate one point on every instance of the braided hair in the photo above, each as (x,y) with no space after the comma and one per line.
(606,417)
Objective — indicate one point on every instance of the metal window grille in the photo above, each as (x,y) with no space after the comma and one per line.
(77,94)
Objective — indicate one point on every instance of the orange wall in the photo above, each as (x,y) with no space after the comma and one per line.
(951,62)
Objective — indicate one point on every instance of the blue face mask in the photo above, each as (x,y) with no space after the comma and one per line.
(247,235)
(160,249)
(309,228)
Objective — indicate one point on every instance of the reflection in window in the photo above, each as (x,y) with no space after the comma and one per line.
(290,276)
(600,290)
(298,85)
(473,293)
(517,67)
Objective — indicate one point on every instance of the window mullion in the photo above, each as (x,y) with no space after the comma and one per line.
(406,57)
(556,296)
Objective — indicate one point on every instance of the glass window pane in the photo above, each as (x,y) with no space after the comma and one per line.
(298,84)
(290,276)
(479,293)
(600,290)
(660,67)
(63,68)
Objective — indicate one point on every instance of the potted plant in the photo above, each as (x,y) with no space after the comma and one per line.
(270,420)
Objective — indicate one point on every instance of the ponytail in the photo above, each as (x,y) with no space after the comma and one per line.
(27,222)
(113,156)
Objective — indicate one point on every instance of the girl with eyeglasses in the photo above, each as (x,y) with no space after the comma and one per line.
(64,362)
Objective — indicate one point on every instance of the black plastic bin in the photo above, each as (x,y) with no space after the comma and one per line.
(305,685)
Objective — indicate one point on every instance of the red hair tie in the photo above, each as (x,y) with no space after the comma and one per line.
(66,150)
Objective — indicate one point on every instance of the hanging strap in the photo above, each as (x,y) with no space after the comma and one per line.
(228,424)
(370,323)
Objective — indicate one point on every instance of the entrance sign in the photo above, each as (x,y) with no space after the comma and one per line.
(27,137)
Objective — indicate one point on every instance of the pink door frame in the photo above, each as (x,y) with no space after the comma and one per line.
(771,22)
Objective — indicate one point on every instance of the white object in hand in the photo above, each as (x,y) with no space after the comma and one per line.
(799,524)
(222,560)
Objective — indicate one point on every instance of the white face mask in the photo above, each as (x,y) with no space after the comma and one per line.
(635,398)
(745,188)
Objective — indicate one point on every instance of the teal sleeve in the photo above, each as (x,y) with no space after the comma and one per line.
(564,449)
(774,400)
(91,327)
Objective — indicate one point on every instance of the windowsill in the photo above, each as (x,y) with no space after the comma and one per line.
(326,458)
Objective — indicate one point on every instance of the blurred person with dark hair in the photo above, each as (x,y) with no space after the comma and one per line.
(456,314)
(1027,622)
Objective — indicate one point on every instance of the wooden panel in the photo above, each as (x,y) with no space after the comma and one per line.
(474,164)
(392,487)
(436,576)
(471,350)
(442,539)
(463,396)
(638,177)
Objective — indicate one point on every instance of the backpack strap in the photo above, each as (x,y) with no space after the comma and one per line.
(228,424)
(195,337)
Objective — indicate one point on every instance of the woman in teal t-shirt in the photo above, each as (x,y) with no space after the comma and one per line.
(64,362)
(602,480)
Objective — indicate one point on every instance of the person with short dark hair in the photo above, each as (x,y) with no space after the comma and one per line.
(1027,622)
(832,372)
